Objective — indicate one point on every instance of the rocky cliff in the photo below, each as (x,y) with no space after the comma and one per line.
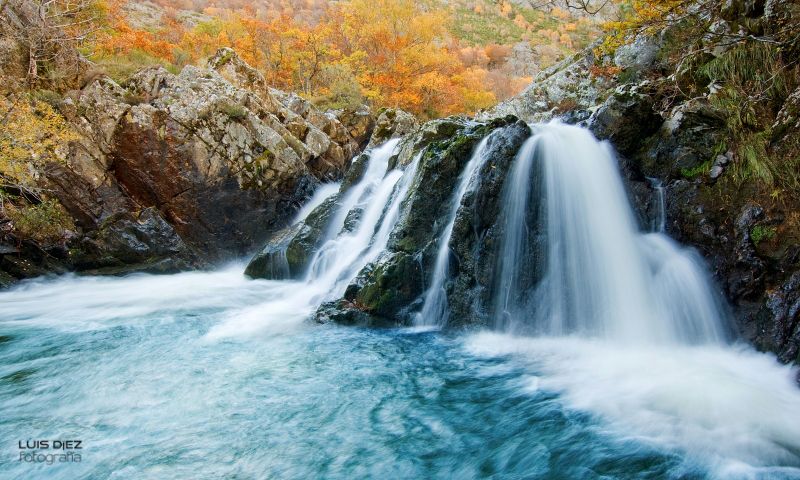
(173,171)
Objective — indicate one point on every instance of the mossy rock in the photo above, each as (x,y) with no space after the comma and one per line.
(385,289)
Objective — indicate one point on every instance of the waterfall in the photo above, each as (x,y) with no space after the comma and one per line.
(435,309)
(660,219)
(322,193)
(373,205)
(356,235)
(516,241)
(601,277)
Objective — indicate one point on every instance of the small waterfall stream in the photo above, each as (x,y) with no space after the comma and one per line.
(660,219)
(435,310)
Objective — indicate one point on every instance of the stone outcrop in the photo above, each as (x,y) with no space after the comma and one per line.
(184,170)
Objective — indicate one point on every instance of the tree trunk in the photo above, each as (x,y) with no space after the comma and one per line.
(33,69)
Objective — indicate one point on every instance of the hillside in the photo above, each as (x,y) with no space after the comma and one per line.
(491,48)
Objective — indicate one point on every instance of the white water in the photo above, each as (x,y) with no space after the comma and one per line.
(603,277)
(435,309)
(376,201)
(729,408)
(515,242)
(660,221)
(322,193)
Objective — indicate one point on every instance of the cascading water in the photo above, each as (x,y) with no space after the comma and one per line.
(322,193)
(602,277)
(514,260)
(660,219)
(434,309)
(356,234)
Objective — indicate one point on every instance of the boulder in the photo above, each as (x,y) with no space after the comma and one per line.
(392,123)
(625,118)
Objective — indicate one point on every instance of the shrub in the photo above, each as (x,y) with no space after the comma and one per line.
(696,171)
(234,112)
(45,223)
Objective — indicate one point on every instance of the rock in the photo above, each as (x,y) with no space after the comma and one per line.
(390,288)
(638,56)
(789,116)
(208,148)
(734,9)
(687,139)
(625,118)
(392,123)
(271,262)
(567,85)
(128,242)
(358,124)
(228,63)
(347,313)
(386,289)
(718,167)
(779,321)
(478,230)
(522,61)
(287,253)
(212,152)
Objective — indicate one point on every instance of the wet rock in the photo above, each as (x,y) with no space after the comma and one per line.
(288,252)
(387,288)
(477,232)
(271,262)
(128,242)
(779,321)
(348,313)
(687,139)
(443,159)
(391,287)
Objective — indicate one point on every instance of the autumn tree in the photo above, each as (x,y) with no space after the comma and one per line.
(52,32)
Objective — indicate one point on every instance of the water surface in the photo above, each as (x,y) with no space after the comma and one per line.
(155,376)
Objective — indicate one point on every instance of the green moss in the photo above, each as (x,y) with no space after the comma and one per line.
(694,172)
(760,233)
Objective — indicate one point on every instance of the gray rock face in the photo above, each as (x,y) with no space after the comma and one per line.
(212,157)
(639,55)
(779,318)
(564,87)
(625,118)
(392,123)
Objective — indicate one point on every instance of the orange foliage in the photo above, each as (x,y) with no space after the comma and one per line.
(387,52)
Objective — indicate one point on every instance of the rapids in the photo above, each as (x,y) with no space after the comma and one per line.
(615,362)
